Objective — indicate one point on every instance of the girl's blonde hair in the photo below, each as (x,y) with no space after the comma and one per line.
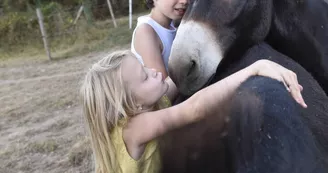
(106,100)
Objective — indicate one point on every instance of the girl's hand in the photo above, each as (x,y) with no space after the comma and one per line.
(287,77)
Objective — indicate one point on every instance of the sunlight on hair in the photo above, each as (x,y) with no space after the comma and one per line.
(105,102)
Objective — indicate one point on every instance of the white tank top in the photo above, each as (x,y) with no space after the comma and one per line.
(166,36)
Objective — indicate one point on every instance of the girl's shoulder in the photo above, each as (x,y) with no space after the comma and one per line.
(147,20)
(145,29)
(149,160)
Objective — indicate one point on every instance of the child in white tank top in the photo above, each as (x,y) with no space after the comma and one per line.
(165,35)
(154,34)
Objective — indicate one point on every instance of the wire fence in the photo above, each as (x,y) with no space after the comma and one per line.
(54,26)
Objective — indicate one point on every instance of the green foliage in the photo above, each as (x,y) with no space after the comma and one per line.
(14,5)
(50,8)
(19,27)
(22,27)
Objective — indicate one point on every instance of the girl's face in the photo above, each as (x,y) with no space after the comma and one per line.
(173,9)
(146,85)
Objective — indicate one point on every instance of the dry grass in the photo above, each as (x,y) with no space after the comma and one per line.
(80,152)
(83,39)
(47,146)
(41,123)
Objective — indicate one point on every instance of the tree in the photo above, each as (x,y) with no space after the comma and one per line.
(87,4)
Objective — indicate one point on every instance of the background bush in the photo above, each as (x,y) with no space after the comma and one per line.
(19,23)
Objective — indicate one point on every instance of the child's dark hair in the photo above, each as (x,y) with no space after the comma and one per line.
(150,4)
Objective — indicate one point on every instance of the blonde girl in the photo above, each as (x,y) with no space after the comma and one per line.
(122,103)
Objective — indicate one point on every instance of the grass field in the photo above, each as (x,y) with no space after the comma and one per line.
(41,125)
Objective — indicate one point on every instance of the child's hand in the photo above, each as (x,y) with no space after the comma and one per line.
(287,77)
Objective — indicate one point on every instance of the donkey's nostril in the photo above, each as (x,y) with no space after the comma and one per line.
(192,67)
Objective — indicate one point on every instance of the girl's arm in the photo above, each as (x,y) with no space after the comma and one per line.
(147,126)
(148,45)
(172,92)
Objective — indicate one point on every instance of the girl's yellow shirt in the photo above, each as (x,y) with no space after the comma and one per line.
(149,162)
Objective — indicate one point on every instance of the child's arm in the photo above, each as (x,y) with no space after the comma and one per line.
(172,92)
(148,45)
(147,126)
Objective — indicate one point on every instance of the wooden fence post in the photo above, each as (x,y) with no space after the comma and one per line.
(111,13)
(43,32)
(78,14)
(130,14)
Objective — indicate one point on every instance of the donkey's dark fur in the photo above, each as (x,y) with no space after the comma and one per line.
(296,28)
(268,131)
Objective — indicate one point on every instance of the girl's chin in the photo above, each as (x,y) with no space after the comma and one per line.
(167,86)
(177,17)
(180,12)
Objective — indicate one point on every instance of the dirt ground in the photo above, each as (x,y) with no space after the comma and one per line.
(41,124)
